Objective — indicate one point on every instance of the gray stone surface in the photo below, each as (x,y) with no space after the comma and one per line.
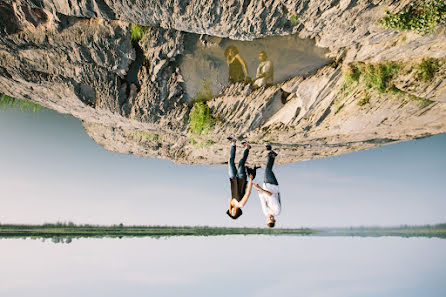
(315,121)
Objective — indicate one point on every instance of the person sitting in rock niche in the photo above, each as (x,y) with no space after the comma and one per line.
(269,195)
(265,72)
(240,189)
(238,71)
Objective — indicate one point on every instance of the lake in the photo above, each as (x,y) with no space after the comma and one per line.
(221,266)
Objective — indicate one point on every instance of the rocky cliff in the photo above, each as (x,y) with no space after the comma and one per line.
(77,57)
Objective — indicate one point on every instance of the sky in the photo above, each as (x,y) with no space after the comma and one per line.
(51,171)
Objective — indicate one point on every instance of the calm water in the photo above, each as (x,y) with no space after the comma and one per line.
(290,56)
(222,266)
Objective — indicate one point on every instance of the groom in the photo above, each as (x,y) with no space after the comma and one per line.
(269,195)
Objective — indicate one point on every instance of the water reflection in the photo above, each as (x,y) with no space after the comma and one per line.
(265,72)
(66,240)
(270,266)
(238,71)
(214,59)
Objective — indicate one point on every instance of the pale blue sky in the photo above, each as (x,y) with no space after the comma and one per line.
(52,171)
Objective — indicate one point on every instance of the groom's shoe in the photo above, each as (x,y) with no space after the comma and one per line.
(252,171)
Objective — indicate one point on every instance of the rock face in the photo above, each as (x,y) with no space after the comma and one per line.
(80,66)
(77,57)
(237,19)
(303,118)
(342,26)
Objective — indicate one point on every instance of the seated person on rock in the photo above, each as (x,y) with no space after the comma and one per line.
(240,188)
(238,72)
(265,72)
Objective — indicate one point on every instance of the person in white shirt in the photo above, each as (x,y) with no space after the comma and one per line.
(269,195)
(265,72)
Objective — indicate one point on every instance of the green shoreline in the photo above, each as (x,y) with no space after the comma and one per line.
(428,231)
(85,231)
(49,230)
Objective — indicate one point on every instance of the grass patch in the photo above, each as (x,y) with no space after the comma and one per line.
(7,102)
(372,76)
(427,68)
(207,142)
(351,78)
(192,141)
(96,125)
(293,19)
(421,17)
(378,76)
(200,120)
(352,75)
(423,101)
(138,32)
(149,136)
(199,143)
(364,101)
(405,96)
